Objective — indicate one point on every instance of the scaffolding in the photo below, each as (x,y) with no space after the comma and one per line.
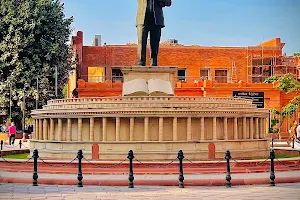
(260,67)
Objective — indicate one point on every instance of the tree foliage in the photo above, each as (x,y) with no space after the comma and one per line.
(34,37)
(287,83)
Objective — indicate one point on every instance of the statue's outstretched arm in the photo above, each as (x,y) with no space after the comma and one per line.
(168,2)
(164,3)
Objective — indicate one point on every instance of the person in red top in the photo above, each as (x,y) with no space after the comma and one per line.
(12,133)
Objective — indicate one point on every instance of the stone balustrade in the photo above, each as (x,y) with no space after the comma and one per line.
(148,102)
(147,98)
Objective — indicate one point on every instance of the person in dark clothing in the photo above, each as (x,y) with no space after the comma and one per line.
(75,93)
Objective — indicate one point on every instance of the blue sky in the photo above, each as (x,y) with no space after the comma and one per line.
(202,22)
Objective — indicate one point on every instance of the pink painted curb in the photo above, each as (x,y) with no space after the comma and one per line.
(202,182)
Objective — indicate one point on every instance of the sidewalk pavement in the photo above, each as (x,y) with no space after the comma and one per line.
(16,146)
(152,179)
(261,192)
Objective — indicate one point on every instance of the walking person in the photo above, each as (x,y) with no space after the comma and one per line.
(12,133)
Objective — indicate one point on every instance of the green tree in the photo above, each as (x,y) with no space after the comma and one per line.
(296,54)
(287,83)
(34,37)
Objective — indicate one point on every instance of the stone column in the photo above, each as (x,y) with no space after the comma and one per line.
(256,128)
(202,128)
(104,122)
(52,136)
(92,125)
(244,128)
(264,128)
(161,129)
(69,129)
(118,128)
(35,128)
(59,131)
(214,128)
(40,129)
(45,129)
(235,128)
(131,129)
(251,127)
(79,131)
(175,136)
(261,128)
(225,129)
(189,129)
(146,129)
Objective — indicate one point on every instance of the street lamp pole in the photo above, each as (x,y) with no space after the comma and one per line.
(24,112)
(10,102)
(56,82)
(37,89)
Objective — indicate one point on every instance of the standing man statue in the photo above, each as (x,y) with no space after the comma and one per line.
(150,18)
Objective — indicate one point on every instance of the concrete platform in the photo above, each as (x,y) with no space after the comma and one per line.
(15,149)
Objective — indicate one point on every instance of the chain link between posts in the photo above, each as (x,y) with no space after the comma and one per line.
(156,166)
(204,164)
(290,166)
(58,165)
(19,163)
(251,165)
(99,166)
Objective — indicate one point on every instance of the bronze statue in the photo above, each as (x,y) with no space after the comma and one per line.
(150,18)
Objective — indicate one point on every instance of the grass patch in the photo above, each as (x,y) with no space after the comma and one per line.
(18,156)
(277,156)
(286,156)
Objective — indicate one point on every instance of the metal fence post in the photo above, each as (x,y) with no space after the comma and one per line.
(130,177)
(1,145)
(272,143)
(228,175)
(293,143)
(79,176)
(35,168)
(181,177)
(272,172)
(20,143)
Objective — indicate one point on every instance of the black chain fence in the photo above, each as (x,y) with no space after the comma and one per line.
(58,165)
(180,158)
(290,166)
(16,163)
(155,166)
(204,165)
(252,163)
(102,166)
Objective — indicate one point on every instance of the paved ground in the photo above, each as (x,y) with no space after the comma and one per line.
(19,191)
(16,146)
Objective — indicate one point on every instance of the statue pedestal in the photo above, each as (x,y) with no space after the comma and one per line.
(162,73)
(148,81)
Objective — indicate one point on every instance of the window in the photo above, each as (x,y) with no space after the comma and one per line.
(181,75)
(204,74)
(116,74)
(221,75)
(96,74)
